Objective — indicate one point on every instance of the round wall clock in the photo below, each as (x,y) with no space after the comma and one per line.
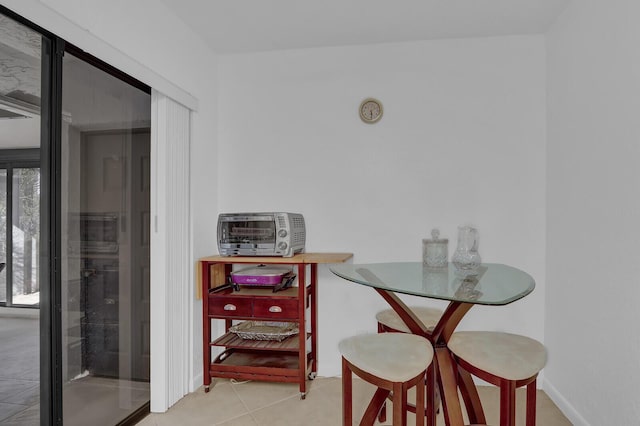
(371,110)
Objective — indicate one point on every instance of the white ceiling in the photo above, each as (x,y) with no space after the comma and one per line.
(230,26)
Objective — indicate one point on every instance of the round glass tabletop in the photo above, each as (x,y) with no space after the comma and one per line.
(491,284)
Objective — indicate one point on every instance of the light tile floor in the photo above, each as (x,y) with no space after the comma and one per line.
(228,404)
(99,401)
(278,404)
(19,371)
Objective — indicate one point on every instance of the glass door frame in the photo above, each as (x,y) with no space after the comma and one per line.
(50,118)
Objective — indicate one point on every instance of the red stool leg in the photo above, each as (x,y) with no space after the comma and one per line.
(507,403)
(382,416)
(420,388)
(531,404)
(399,404)
(470,397)
(431,395)
(347,394)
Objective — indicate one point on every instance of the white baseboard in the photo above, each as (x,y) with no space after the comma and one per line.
(197,382)
(567,409)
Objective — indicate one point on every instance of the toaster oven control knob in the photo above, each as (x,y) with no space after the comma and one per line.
(282,233)
(282,246)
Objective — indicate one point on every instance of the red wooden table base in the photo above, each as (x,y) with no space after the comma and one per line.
(447,374)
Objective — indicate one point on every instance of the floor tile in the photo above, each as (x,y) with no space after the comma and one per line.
(315,410)
(219,405)
(246,420)
(256,395)
(29,396)
(20,371)
(27,417)
(546,411)
(10,387)
(104,404)
(362,392)
(278,404)
(8,410)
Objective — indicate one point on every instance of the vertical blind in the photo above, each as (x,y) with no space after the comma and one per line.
(171,271)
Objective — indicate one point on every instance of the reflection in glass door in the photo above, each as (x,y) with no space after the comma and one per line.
(20,213)
(23,108)
(105,245)
(25,236)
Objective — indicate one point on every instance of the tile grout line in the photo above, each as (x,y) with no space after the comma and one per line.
(233,385)
(251,412)
(5,419)
(317,387)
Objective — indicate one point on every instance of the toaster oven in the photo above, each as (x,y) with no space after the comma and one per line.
(261,234)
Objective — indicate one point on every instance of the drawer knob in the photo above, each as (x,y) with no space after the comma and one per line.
(229,307)
(275,309)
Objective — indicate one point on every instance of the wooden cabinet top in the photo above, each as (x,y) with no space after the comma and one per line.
(298,258)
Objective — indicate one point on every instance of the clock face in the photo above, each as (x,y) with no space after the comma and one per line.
(370,110)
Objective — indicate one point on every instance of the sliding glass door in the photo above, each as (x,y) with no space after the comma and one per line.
(105,193)
(74,234)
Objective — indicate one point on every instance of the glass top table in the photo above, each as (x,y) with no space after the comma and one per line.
(492,284)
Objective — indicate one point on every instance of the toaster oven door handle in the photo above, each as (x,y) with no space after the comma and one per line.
(229,307)
(275,309)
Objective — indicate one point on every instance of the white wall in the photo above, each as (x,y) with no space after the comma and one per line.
(146,40)
(462,141)
(593,209)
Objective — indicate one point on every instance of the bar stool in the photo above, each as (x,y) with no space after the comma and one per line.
(389,320)
(395,362)
(508,361)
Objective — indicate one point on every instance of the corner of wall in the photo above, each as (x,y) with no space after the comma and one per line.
(567,409)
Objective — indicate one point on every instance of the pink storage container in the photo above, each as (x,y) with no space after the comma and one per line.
(267,275)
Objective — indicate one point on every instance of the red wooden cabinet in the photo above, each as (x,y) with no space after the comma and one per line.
(292,360)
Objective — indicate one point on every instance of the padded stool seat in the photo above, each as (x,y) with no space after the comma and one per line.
(391,361)
(505,360)
(509,356)
(392,321)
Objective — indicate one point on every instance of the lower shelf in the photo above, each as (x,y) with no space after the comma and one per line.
(259,365)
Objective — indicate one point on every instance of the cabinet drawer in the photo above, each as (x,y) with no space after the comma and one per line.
(230,306)
(275,308)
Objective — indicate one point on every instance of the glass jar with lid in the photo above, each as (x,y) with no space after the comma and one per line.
(435,251)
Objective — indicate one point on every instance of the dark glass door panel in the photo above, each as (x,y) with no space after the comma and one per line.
(105,208)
